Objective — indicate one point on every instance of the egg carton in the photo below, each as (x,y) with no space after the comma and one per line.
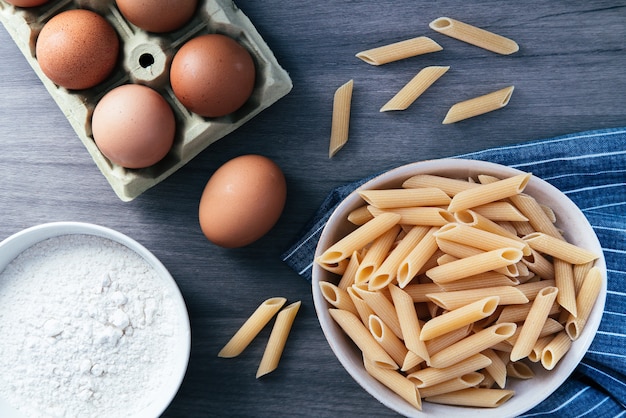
(146,59)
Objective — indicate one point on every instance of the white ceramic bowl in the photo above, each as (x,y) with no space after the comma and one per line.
(529,393)
(14,245)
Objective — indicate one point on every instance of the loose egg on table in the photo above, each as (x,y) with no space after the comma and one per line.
(77,49)
(242,201)
(212,75)
(133,126)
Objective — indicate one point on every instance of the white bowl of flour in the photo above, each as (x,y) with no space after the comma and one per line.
(92,325)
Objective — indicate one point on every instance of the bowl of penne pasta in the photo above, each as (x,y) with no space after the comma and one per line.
(459,286)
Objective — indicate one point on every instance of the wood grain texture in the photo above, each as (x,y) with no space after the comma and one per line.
(568,75)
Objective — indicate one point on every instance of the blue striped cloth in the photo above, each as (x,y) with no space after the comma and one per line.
(590,168)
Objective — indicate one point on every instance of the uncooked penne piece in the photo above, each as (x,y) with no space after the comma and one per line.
(399,50)
(533,323)
(431,216)
(488,279)
(519,312)
(465,381)
(253,325)
(361,306)
(376,254)
(417,258)
(431,376)
(559,248)
(450,186)
(500,212)
(491,192)
(539,265)
(519,370)
(475,264)
(479,105)
(479,238)
(439,343)
(361,336)
(533,288)
(397,198)
(535,354)
(474,35)
(580,272)
(337,297)
(418,291)
(554,351)
(395,381)
(497,368)
(585,300)
(459,317)
(382,307)
(358,238)
(536,215)
(340,125)
(360,215)
(278,339)
(509,295)
(410,325)
(347,278)
(472,344)
(564,281)
(478,397)
(411,362)
(387,339)
(387,271)
(415,88)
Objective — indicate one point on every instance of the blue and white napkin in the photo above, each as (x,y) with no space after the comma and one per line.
(590,168)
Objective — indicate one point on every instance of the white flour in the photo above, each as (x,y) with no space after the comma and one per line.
(86,329)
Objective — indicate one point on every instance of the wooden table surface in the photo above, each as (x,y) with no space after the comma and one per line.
(569,75)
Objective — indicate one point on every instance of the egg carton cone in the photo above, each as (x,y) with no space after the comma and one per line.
(146,59)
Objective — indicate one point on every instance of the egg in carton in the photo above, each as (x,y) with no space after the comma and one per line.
(146,59)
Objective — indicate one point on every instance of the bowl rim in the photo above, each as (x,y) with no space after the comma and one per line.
(338,340)
(15,244)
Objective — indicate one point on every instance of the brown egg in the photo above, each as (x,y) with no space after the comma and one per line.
(27,3)
(133,126)
(77,49)
(212,75)
(157,15)
(242,201)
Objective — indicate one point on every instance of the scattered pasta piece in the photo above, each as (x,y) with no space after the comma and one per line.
(341,118)
(399,50)
(479,105)
(414,88)
(475,36)
(278,338)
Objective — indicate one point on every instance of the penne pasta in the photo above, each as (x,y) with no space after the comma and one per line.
(398,198)
(419,291)
(450,186)
(411,361)
(337,297)
(519,370)
(439,343)
(360,215)
(409,324)
(564,281)
(399,50)
(414,88)
(387,339)
(459,317)
(363,339)
(487,193)
(559,248)
(431,376)
(488,279)
(500,212)
(396,382)
(474,35)
(472,344)
(533,323)
(340,126)
(278,339)
(431,216)
(387,271)
(509,295)
(497,369)
(479,263)
(585,300)
(530,290)
(479,105)
(479,238)
(361,306)
(537,218)
(348,276)
(465,381)
(253,325)
(554,351)
(382,307)
(484,398)
(535,354)
(539,265)
(519,312)
(358,238)
(376,254)
(417,258)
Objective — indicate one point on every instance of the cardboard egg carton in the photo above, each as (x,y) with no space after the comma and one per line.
(146,59)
